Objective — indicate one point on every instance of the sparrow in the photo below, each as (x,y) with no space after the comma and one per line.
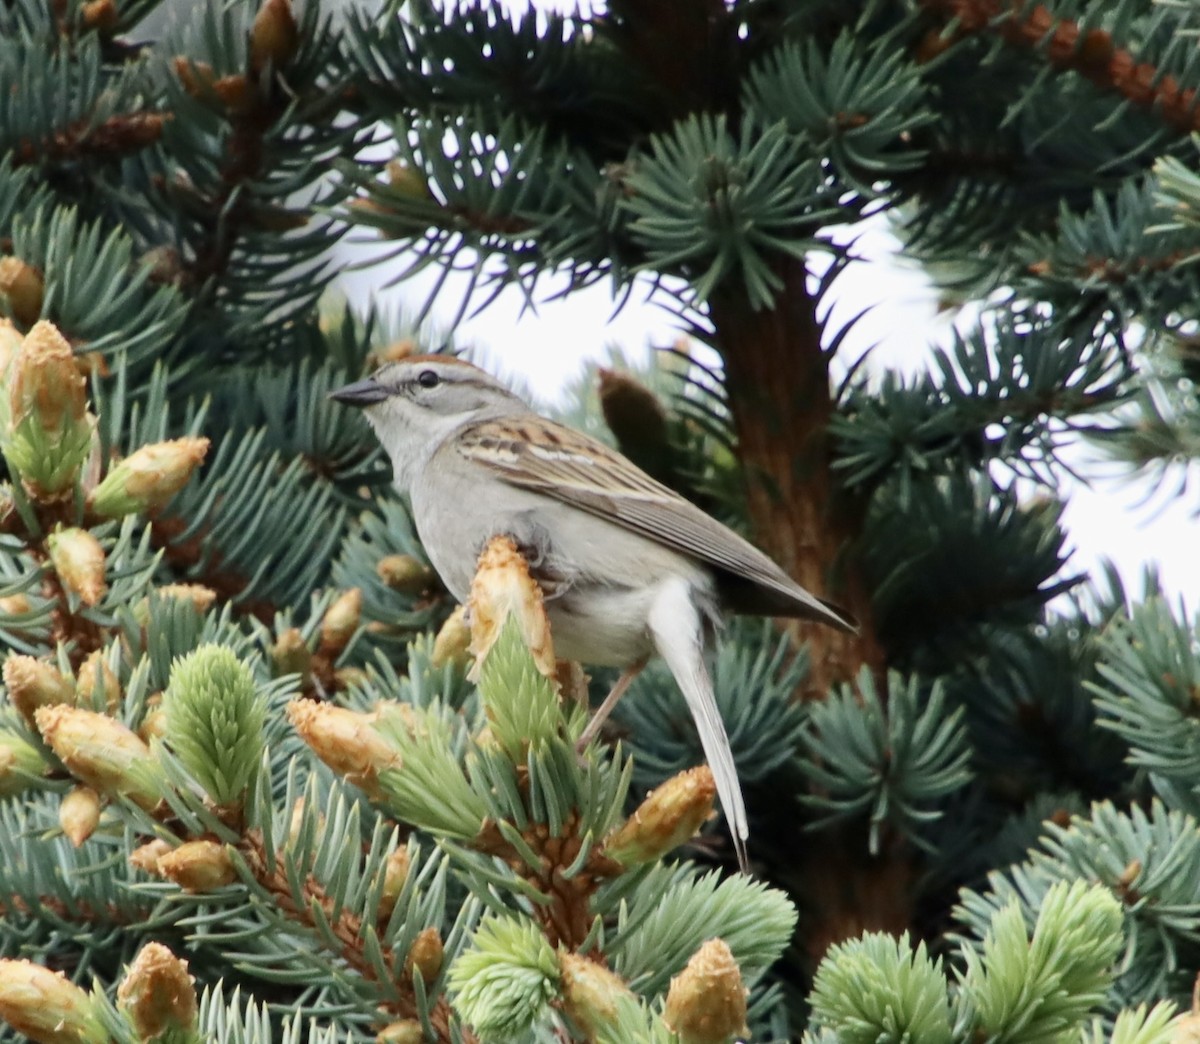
(629,569)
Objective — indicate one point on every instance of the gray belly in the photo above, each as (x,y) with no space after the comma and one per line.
(601,626)
(604,575)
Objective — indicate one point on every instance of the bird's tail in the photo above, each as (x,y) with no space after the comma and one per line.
(676,625)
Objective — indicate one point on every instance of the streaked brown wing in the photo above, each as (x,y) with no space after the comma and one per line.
(581,471)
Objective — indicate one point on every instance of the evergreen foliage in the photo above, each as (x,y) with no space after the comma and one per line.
(261,780)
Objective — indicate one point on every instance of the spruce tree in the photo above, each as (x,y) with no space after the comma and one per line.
(258,778)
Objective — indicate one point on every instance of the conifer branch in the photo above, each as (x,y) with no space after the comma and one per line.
(347,927)
(80,141)
(567,919)
(1091,53)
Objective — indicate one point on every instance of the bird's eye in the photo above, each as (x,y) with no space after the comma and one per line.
(428,379)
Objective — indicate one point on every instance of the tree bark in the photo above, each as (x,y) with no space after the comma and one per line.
(777,378)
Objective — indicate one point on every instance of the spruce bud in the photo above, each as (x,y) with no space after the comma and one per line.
(408,1031)
(101,15)
(404,573)
(198,866)
(215,721)
(345,740)
(502,588)
(145,857)
(46,384)
(275,37)
(10,344)
(146,480)
(340,622)
(706,1003)
(33,683)
(14,605)
(49,434)
(201,597)
(24,287)
(79,814)
(78,559)
(670,816)
(97,679)
(154,724)
(425,955)
(594,995)
(291,655)
(453,641)
(157,995)
(405,181)
(394,352)
(20,764)
(102,753)
(395,874)
(46,1007)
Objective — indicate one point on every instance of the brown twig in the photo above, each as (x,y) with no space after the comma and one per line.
(1093,54)
(116,136)
(567,919)
(348,930)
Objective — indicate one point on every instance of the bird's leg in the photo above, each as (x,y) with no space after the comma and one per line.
(610,701)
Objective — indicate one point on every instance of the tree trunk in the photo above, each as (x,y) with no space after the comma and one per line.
(777,378)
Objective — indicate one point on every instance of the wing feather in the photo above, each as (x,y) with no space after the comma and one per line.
(539,454)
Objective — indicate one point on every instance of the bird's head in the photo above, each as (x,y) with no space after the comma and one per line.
(414,404)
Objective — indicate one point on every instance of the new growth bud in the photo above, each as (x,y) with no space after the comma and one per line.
(101,15)
(145,857)
(20,764)
(215,721)
(23,287)
(97,681)
(404,573)
(453,641)
(146,480)
(395,874)
(275,37)
(405,181)
(197,866)
(706,1003)
(10,344)
(291,655)
(593,995)
(79,814)
(46,384)
(78,559)
(102,753)
(46,1007)
(33,683)
(426,955)
(345,740)
(49,433)
(502,588)
(158,995)
(409,1031)
(201,597)
(340,622)
(670,816)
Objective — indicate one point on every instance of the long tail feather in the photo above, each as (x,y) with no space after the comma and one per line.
(676,626)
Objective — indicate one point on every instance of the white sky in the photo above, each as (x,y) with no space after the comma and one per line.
(547,349)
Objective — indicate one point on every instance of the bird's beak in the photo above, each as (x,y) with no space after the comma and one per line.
(366,392)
